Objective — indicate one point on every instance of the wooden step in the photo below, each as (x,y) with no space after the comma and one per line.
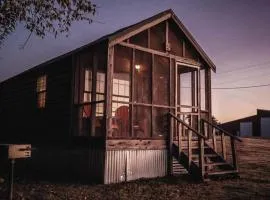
(221,172)
(215,164)
(196,147)
(205,155)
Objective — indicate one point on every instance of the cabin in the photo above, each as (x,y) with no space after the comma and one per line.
(252,126)
(133,104)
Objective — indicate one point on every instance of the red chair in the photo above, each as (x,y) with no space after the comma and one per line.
(121,122)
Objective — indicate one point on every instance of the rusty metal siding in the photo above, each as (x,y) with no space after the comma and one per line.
(126,165)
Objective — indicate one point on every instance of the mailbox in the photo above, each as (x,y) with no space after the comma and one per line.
(19,151)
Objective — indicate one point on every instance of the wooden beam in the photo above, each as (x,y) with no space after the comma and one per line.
(170,143)
(208,96)
(179,138)
(234,154)
(149,38)
(184,48)
(223,146)
(109,83)
(184,61)
(170,83)
(152,94)
(93,98)
(132,91)
(201,157)
(214,140)
(193,96)
(167,34)
(119,38)
(176,86)
(199,98)
(189,148)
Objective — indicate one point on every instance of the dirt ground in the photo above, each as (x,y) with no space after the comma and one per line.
(254,183)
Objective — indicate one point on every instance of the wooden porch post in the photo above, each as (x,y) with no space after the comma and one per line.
(94,83)
(108,100)
(208,100)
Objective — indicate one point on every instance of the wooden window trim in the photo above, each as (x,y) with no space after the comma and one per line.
(41,103)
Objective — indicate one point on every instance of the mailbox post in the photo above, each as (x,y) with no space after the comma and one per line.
(16,151)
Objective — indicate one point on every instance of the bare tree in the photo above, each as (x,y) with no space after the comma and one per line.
(41,17)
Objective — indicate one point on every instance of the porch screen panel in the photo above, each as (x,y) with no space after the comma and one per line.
(203,87)
(158,37)
(161,83)
(142,121)
(175,39)
(140,39)
(142,77)
(121,95)
(160,122)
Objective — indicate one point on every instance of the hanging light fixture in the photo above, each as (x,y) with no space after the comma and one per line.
(138,67)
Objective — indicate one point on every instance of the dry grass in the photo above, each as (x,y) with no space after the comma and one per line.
(254,183)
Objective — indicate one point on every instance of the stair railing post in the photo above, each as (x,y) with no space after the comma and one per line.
(201,149)
(179,138)
(170,158)
(201,157)
(214,139)
(234,154)
(223,143)
(189,148)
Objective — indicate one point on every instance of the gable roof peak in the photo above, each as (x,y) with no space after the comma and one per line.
(134,29)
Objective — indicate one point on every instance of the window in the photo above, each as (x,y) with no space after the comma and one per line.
(100,89)
(41,91)
(87,85)
(120,93)
(87,96)
(86,112)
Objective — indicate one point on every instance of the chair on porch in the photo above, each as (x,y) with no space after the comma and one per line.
(120,123)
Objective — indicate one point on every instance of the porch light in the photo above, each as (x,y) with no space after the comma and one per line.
(138,67)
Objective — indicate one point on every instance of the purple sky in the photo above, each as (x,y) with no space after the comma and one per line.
(234,34)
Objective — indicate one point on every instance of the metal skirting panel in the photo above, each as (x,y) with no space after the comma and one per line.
(75,164)
(127,165)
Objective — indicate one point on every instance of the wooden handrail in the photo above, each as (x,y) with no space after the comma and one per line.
(186,125)
(222,130)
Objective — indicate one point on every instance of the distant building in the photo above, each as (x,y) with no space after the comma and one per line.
(257,125)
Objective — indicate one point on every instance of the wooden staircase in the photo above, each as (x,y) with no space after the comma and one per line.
(205,155)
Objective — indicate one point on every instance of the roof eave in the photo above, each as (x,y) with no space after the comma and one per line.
(193,41)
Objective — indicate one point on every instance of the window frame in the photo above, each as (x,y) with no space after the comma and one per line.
(41,90)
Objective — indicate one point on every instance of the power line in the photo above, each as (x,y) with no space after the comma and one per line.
(241,87)
(247,67)
(244,78)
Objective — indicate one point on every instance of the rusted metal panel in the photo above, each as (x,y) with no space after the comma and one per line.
(126,165)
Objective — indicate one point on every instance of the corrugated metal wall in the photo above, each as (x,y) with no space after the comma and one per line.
(126,165)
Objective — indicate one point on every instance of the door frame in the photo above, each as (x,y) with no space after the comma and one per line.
(195,94)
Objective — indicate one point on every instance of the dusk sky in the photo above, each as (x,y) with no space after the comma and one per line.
(235,34)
